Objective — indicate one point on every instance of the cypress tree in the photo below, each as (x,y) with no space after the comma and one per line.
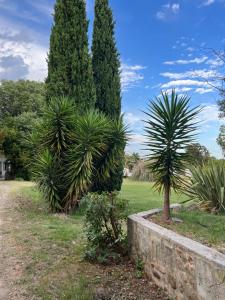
(69,64)
(105,61)
(106,69)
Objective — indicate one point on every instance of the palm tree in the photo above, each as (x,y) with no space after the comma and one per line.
(170,127)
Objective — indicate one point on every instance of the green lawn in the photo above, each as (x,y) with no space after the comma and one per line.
(142,196)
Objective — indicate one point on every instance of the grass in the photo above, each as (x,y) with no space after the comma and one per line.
(53,245)
(206,228)
(142,196)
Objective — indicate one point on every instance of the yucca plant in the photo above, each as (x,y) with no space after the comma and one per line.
(59,126)
(170,127)
(111,158)
(98,142)
(207,186)
(52,139)
(46,173)
(80,148)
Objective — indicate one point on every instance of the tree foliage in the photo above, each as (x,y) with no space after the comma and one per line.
(22,96)
(69,63)
(221,139)
(198,154)
(21,105)
(106,69)
(169,129)
(105,60)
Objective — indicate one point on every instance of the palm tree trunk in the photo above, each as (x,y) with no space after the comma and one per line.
(166,208)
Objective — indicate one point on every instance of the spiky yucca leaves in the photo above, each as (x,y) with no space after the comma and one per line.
(52,141)
(89,144)
(207,186)
(111,160)
(47,175)
(83,146)
(59,125)
(98,142)
(169,129)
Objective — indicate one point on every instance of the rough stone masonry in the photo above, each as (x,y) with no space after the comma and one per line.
(186,269)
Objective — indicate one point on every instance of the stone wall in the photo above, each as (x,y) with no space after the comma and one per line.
(184,268)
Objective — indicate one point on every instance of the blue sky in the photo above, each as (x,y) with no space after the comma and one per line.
(163,45)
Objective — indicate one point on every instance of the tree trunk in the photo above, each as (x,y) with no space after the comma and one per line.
(166,209)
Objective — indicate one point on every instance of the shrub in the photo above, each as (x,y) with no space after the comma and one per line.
(104,216)
(207,186)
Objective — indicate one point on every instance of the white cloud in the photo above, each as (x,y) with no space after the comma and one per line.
(215,62)
(168,11)
(131,119)
(42,6)
(208,2)
(15,9)
(184,83)
(209,113)
(204,90)
(179,90)
(204,74)
(29,57)
(138,138)
(197,60)
(130,75)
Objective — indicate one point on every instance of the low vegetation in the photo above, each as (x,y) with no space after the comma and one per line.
(51,249)
(104,218)
(207,186)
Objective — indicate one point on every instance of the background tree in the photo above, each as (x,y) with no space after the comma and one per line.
(106,69)
(17,97)
(131,160)
(21,105)
(198,154)
(221,139)
(170,128)
(69,63)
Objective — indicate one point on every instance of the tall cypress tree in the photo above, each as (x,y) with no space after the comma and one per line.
(106,69)
(105,61)
(69,64)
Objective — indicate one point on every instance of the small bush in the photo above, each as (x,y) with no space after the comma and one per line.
(105,214)
(139,266)
(207,186)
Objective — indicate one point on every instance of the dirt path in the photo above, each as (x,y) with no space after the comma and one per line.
(10,267)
